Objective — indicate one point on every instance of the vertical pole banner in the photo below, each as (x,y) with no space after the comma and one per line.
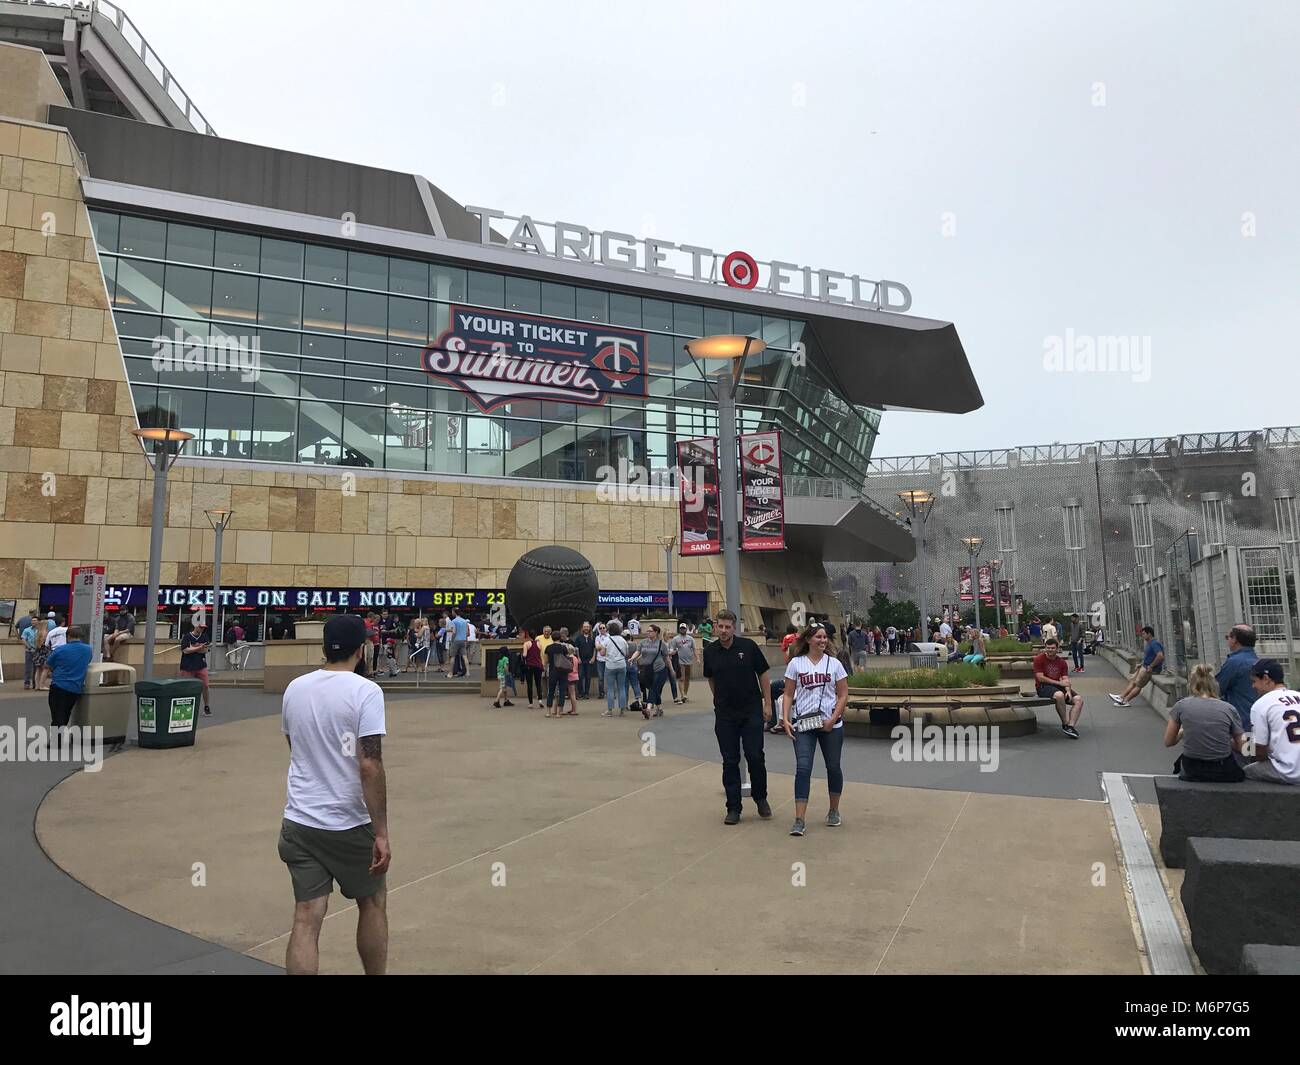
(762,522)
(86,605)
(698,500)
(986,583)
(1004,594)
(963,584)
(1019,605)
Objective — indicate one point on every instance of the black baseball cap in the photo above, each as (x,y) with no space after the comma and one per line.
(344,632)
(1268,667)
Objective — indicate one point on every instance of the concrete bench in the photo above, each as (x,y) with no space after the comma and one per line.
(1249,810)
(1261,959)
(1239,892)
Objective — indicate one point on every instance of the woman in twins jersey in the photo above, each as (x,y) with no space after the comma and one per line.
(816,689)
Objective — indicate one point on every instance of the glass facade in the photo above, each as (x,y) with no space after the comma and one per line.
(339,381)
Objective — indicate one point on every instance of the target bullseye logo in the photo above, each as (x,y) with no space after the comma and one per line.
(739,270)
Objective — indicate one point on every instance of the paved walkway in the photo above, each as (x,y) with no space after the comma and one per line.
(612,860)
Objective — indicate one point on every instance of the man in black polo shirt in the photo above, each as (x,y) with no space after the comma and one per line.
(736,670)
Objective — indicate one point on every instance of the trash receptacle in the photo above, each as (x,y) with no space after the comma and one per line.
(924,660)
(106,700)
(166,712)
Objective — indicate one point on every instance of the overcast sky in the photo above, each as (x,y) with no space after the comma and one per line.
(1032,170)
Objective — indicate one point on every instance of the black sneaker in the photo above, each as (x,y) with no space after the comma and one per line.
(1070,731)
(764,808)
(732,818)
(207,710)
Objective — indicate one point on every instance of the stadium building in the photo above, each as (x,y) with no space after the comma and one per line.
(396,394)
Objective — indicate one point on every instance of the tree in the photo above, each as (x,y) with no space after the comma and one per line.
(881,611)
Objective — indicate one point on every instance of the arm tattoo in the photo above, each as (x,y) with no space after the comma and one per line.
(372,748)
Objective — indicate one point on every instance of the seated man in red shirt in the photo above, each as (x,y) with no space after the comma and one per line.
(1052,681)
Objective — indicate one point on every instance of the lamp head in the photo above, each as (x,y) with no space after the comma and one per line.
(724,346)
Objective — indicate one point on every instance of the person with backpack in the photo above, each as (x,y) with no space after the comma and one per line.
(618,657)
(652,659)
(812,714)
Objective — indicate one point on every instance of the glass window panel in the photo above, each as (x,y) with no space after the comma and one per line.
(283,258)
(624,309)
(796,333)
(320,433)
(487,290)
(146,237)
(592,450)
(321,379)
(484,447)
(408,320)
(660,362)
(278,376)
(593,306)
(688,319)
(145,326)
(776,331)
(229,424)
(627,417)
(238,251)
(408,277)
(275,422)
(138,356)
(323,308)
(234,298)
(139,285)
(108,264)
(279,304)
(746,325)
(447,443)
(559,412)
(179,408)
(367,271)
(559,453)
(368,352)
(716,321)
(406,443)
(189,244)
(559,301)
(523,294)
(448,399)
(226,348)
(105,224)
(629,446)
(523,448)
(325,347)
(447,283)
(359,386)
(657,314)
(367,314)
(406,395)
(363,436)
(145,397)
(323,264)
(276,341)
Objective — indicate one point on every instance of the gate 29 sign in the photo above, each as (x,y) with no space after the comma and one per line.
(497,357)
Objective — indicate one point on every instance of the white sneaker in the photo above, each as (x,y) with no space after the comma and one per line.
(1116,699)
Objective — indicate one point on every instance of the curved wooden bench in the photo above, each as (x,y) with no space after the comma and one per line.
(1002,705)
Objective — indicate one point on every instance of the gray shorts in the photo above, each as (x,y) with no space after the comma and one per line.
(1265,772)
(316,858)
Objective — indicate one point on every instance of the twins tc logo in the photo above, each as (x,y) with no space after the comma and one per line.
(761,453)
(618,359)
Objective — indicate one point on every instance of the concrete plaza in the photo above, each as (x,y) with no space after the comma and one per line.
(523,844)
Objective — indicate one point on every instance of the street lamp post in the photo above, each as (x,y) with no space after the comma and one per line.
(669,542)
(162,446)
(218,519)
(919,503)
(996,565)
(973,545)
(735,349)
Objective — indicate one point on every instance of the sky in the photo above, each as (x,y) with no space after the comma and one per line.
(1101,196)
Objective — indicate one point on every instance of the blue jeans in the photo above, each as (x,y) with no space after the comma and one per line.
(633,681)
(585,672)
(615,684)
(733,733)
(656,693)
(805,746)
(29,668)
(1077,649)
(600,676)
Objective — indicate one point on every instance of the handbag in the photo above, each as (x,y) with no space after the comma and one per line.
(646,674)
(810,720)
(563,663)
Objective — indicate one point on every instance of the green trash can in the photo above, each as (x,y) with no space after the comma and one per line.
(166,712)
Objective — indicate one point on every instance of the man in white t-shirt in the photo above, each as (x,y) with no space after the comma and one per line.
(601,640)
(58,635)
(335,823)
(945,630)
(1049,631)
(633,627)
(471,644)
(1275,723)
(816,690)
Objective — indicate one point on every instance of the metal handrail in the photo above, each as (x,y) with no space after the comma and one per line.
(167,82)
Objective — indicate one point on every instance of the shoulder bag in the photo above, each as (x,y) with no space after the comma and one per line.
(811,720)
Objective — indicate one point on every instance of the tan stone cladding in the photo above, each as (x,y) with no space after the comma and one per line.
(75,488)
